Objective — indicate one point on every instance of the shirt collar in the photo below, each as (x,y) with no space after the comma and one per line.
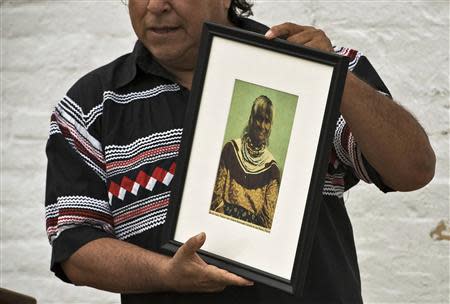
(141,60)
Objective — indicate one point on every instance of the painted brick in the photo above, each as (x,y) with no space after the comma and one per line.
(27,189)
(23,221)
(24,156)
(33,126)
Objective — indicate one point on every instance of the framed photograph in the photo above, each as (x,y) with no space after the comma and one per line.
(254,154)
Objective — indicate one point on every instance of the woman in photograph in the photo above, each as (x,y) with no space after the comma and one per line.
(248,178)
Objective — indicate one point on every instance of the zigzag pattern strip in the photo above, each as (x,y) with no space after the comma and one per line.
(86,120)
(69,211)
(333,191)
(67,105)
(142,224)
(144,155)
(115,152)
(127,98)
(334,185)
(140,203)
(54,128)
(130,225)
(141,162)
(66,216)
(84,202)
(154,145)
(93,114)
(64,224)
(339,145)
(348,151)
(135,213)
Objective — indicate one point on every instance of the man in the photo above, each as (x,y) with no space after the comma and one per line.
(112,151)
(248,177)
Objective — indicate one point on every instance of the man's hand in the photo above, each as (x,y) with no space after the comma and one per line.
(304,35)
(187,272)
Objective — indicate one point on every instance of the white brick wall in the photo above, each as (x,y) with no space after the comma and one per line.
(47,45)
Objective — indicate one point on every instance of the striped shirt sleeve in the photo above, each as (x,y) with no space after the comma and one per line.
(76,196)
(344,143)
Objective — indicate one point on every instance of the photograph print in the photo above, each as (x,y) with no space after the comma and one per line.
(254,149)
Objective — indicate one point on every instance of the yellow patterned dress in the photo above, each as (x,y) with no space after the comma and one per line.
(247,184)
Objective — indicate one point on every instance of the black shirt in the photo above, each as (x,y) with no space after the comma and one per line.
(112,150)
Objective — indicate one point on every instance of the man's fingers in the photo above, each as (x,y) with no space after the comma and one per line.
(313,38)
(232,279)
(225,277)
(302,37)
(284,30)
(320,44)
(192,245)
(300,34)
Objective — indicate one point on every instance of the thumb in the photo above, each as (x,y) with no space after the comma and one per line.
(193,244)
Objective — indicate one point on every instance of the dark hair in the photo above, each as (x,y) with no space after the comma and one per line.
(239,8)
(266,104)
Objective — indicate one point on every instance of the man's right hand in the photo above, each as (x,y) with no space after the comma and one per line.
(187,272)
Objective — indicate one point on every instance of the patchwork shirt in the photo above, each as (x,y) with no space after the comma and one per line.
(112,151)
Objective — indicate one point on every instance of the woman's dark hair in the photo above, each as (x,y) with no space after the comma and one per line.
(265,104)
(239,8)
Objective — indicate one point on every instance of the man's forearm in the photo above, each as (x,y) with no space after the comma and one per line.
(117,266)
(390,138)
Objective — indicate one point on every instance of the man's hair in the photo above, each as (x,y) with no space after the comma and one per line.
(239,8)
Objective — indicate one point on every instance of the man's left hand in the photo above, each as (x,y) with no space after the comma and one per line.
(300,34)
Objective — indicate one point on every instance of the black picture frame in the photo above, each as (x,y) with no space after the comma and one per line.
(339,64)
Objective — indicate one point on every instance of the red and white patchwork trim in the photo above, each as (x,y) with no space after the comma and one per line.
(73,211)
(142,180)
(352,54)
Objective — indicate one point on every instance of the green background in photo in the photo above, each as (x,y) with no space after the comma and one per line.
(284,105)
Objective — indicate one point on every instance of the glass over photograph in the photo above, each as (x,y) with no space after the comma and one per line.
(254,150)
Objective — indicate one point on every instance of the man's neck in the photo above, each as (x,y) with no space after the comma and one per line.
(182,75)
(184,78)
